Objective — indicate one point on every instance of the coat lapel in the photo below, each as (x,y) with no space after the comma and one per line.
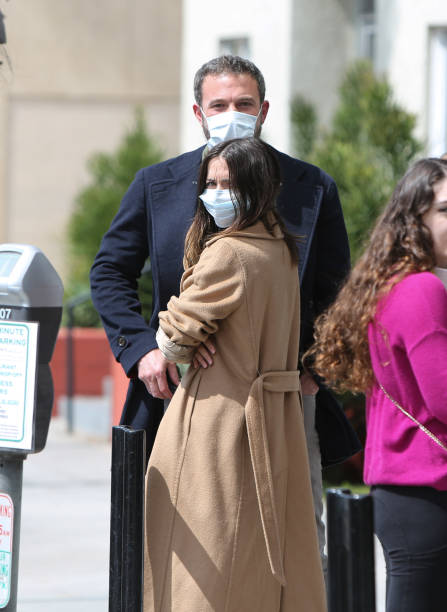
(173,204)
(299,206)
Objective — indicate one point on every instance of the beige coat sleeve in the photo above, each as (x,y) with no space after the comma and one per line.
(210,292)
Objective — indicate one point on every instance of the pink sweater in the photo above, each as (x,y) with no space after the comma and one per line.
(408,346)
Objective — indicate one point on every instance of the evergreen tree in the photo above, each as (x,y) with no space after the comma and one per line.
(304,126)
(367,149)
(97,204)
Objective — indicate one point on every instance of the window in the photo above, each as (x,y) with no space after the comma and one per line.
(367,7)
(235,46)
(366,19)
(437,96)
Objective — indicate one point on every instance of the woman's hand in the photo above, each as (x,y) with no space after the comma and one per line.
(203,357)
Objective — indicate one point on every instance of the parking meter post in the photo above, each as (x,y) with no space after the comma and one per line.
(127,520)
(30,313)
(350,552)
(11,475)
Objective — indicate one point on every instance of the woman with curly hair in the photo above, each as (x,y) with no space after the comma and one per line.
(386,335)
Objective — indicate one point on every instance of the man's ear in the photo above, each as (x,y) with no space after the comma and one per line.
(264,110)
(198,113)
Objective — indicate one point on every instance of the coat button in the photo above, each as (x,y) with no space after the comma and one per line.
(122,341)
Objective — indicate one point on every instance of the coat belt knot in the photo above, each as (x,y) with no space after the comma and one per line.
(275,382)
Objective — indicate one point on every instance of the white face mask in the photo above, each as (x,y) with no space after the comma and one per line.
(220,206)
(232,124)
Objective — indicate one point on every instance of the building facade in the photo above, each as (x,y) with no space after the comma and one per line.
(78,69)
(411,48)
(305,48)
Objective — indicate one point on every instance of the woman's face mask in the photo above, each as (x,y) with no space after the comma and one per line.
(220,206)
(217,197)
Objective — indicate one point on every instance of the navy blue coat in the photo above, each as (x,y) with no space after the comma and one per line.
(152,221)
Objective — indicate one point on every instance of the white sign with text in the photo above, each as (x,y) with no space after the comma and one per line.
(18,363)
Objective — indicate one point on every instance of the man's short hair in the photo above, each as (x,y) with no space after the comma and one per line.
(226,64)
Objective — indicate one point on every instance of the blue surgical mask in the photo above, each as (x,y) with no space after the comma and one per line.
(220,206)
(232,124)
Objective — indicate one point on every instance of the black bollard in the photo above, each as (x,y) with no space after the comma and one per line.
(126,520)
(351,577)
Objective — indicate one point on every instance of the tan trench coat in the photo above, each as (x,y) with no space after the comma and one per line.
(230,525)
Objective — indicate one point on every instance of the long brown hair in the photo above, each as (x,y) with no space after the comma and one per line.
(255,180)
(399,245)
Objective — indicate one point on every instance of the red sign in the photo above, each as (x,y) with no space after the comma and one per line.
(6,529)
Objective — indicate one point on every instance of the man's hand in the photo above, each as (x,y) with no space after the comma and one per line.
(203,357)
(152,371)
(308,385)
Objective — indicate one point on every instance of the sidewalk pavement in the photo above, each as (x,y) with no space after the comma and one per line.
(64,548)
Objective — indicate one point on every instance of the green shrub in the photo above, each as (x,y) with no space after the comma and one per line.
(97,204)
(368,147)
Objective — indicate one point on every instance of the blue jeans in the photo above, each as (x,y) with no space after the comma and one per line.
(411,524)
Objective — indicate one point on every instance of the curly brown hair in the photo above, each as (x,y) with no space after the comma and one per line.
(400,244)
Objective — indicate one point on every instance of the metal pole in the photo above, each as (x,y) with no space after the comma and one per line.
(70,368)
(350,552)
(127,520)
(70,306)
(11,473)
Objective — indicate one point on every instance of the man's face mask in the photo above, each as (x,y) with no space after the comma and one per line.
(228,125)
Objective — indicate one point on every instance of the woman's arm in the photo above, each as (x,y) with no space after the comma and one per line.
(428,360)
(418,314)
(211,291)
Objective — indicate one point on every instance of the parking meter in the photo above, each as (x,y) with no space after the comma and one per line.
(31,295)
(30,291)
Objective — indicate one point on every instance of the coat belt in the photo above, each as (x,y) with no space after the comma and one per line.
(276,382)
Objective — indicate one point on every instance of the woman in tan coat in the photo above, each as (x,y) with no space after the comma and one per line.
(230,524)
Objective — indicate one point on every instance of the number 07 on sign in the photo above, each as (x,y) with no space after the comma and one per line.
(6,532)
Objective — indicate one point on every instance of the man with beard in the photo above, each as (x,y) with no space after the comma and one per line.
(152,222)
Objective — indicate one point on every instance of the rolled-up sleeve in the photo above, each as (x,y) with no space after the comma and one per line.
(210,291)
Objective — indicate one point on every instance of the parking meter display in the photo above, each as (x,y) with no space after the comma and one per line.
(8,260)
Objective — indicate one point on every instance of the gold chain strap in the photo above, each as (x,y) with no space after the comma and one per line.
(424,429)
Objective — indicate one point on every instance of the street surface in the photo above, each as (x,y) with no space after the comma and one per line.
(64,551)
